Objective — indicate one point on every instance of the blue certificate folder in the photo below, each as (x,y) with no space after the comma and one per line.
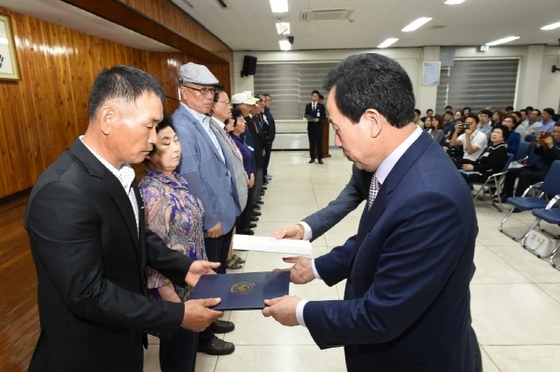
(245,291)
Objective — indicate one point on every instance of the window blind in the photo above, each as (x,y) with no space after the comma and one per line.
(478,83)
(290,85)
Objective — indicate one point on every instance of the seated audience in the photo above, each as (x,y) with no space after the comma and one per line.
(471,138)
(514,138)
(549,150)
(485,126)
(448,122)
(532,121)
(497,117)
(433,126)
(491,161)
(174,214)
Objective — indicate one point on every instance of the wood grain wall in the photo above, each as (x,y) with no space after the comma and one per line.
(41,114)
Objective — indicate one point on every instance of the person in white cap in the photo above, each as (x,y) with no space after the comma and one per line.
(254,136)
(210,175)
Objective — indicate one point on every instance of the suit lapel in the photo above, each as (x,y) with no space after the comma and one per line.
(112,185)
(370,217)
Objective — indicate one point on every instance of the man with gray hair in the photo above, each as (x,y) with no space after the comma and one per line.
(210,175)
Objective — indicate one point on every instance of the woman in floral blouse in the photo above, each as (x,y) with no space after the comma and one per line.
(175,215)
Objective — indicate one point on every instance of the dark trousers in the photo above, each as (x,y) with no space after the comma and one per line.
(178,353)
(257,186)
(268,150)
(315,135)
(526,176)
(217,250)
(245,218)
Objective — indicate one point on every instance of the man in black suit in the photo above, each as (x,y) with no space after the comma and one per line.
(85,221)
(315,112)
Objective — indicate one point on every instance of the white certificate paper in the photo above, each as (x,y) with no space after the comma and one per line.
(271,245)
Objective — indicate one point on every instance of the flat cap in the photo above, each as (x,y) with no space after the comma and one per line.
(196,74)
(244,97)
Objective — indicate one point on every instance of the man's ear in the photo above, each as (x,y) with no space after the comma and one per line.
(109,118)
(373,117)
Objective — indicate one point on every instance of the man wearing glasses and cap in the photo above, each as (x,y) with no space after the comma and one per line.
(209,173)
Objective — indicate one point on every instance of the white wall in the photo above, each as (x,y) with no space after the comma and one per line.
(537,85)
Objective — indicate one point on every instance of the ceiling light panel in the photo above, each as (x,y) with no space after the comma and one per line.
(283,28)
(502,41)
(279,6)
(390,41)
(285,45)
(551,26)
(416,24)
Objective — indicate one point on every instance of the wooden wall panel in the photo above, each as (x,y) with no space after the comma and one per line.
(167,13)
(41,114)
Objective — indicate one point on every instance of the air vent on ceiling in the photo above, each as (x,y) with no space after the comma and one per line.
(225,4)
(325,15)
(438,27)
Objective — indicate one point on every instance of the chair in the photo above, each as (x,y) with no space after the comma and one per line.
(550,214)
(549,188)
(495,182)
(522,150)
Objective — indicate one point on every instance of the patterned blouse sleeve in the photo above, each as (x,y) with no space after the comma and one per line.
(157,211)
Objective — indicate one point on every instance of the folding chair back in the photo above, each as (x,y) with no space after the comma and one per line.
(551,183)
(523,150)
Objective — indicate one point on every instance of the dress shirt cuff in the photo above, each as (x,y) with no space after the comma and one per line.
(299,312)
(315,272)
(307,233)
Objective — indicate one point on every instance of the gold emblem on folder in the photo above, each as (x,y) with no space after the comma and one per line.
(242,288)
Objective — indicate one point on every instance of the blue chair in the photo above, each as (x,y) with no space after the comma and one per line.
(522,150)
(550,214)
(494,182)
(550,187)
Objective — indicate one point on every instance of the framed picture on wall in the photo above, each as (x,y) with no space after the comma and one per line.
(8,58)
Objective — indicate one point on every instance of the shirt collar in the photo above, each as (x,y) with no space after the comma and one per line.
(387,165)
(202,118)
(125,174)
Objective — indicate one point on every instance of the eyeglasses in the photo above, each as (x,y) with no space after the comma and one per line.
(226,102)
(203,91)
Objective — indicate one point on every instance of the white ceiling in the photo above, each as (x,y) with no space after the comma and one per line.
(249,25)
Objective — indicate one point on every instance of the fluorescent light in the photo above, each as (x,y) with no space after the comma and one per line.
(416,24)
(551,26)
(285,45)
(279,6)
(388,42)
(454,2)
(283,28)
(502,41)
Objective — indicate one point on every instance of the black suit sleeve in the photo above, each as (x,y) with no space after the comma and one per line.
(67,234)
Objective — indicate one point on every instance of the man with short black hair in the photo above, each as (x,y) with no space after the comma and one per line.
(90,244)
(315,112)
(406,304)
(485,125)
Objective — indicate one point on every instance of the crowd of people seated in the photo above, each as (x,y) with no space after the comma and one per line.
(479,144)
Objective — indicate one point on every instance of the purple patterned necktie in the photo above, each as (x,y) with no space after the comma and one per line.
(373,190)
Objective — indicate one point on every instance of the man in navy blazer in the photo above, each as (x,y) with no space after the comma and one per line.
(406,305)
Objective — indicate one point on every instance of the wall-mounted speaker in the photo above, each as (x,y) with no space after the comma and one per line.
(249,66)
